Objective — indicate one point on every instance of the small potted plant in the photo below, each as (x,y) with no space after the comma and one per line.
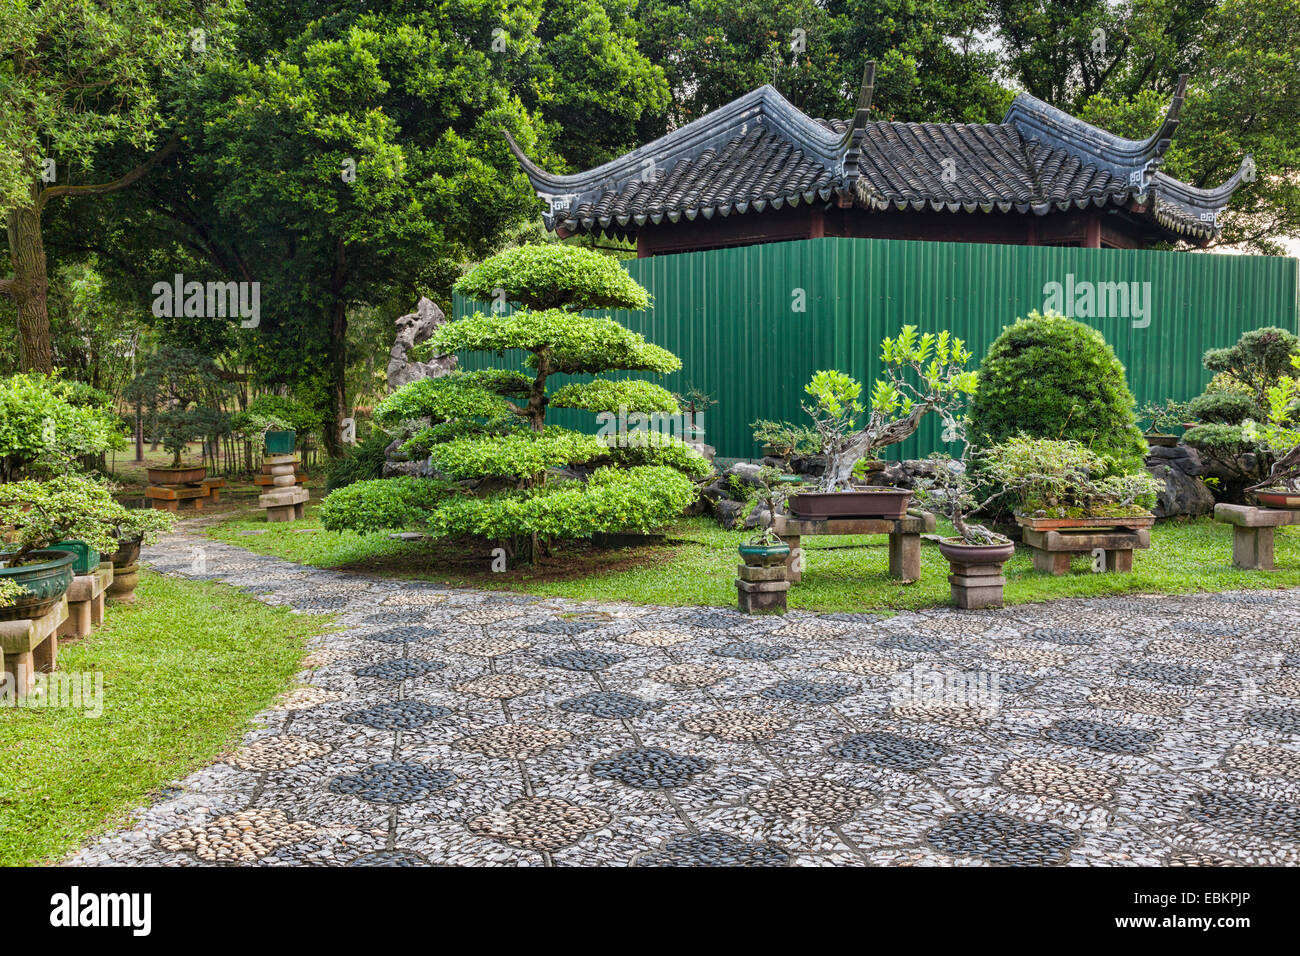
(136,527)
(921,374)
(765,549)
(784,441)
(40,514)
(1163,416)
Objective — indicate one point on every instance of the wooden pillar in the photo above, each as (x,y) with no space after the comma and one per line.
(1092,238)
(642,247)
(1031,237)
(817,223)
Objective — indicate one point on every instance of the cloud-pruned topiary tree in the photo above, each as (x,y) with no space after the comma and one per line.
(1048,376)
(521,481)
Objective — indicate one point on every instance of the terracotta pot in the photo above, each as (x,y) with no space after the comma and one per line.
(1278,499)
(860,503)
(959,553)
(764,555)
(125,579)
(185,475)
(1059,524)
(47,577)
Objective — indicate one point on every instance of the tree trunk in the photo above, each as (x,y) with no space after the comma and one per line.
(338,365)
(29,287)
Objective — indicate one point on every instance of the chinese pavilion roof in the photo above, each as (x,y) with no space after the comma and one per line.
(760,152)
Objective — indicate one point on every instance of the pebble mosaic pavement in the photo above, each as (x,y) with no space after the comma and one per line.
(454,727)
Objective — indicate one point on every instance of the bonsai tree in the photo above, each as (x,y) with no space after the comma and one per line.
(772,493)
(522,481)
(67,506)
(694,402)
(46,425)
(1163,416)
(142,525)
(1065,479)
(920,374)
(1047,376)
(784,439)
(182,389)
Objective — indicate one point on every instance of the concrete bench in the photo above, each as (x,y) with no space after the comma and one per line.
(29,645)
(86,601)
(1052,550)
(904,539)
(1252,533)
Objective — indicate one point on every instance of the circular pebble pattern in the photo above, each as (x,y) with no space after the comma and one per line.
(893,751)
(514,741)
(562,627)
(582,660)
(415,599)
(1137,701)
(500,686)
(610,705)
(1200,650)
(650,768)
(394,782)
(808,692)
(400,669)
(539,823)
(1247,815)
(1048,778)
(1030,655)
(398,715)
(277,753)
(746,651)
(488,647)
(811,799)
(1065,636)
(1285,686)
(1003,839)
(714,620)
(1163,673)
(714,849)
(738,725)
(243,837)
(947,715)
(654,637)
(323,657)
(863,666)
(689,675)
(1099,736)
(914,642)
(305,698)
(1279,720)
(810,630)
(1265,761)
(407,634)
(489,615)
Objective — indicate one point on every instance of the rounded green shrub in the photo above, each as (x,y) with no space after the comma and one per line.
(1048,376)
(1224,408)
(381,504)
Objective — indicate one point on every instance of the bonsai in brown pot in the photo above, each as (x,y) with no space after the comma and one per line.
(1163,416)
(137,527)
(920,374)
(182,390)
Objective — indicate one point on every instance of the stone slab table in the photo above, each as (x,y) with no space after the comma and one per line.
(86,601)
(1252,533)
(29,645)
(904,539)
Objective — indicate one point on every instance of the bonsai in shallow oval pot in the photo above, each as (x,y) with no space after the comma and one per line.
(1162,417)
(921,373)
(40,514)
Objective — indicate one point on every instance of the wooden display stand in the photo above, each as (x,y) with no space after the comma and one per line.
(1252,533)
(1055,542)
(904,539)
(29,645)
(85,599)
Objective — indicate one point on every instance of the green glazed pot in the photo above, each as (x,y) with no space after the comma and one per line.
(281,443)
(764,555)
(46,582)
(87,560)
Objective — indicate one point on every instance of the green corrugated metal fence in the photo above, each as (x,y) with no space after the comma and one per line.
(752,324)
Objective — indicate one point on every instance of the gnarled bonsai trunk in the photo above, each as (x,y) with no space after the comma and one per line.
(877,434)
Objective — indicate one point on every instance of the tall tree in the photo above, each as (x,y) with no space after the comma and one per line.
(78,78)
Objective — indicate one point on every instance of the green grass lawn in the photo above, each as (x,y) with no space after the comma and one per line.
(697,565)
(185,668)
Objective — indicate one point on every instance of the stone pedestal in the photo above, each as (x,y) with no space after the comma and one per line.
(85,599)
(1252,533)
(29,645)
(761,590)
(976,586)
(284,504)
(122,588)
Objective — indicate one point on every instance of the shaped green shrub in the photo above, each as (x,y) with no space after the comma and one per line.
(1047,376)
(487,429)
(47,423)
(381,504)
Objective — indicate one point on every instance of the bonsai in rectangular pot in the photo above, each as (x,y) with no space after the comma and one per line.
(920,374)
(180,387)
(42,513)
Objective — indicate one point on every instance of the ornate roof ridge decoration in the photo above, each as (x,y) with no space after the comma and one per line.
(760,152)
